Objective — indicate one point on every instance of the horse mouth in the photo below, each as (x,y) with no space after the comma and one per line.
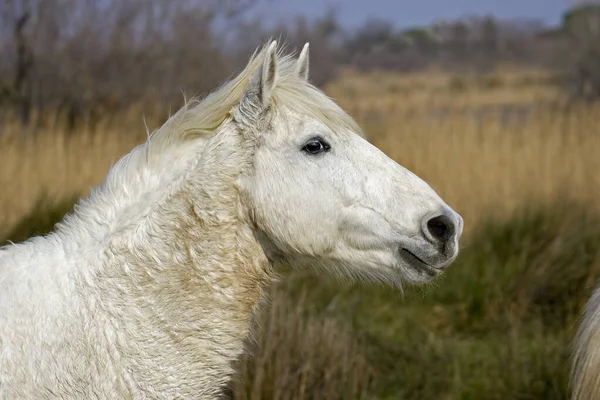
(417,263)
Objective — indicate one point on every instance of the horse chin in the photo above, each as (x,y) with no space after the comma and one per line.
(397,275)
(416,272)
(418,276)
(419,264)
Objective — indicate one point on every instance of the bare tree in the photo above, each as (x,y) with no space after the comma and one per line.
(581,32)
(78,56)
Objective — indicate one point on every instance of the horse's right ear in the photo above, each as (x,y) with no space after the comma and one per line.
(260,88)
(302,63)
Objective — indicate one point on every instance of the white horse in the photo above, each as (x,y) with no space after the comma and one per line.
(585,372)
(148,289)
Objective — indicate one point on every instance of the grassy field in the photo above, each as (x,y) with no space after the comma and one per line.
(504,149)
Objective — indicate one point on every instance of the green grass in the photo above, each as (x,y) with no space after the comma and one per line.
(497,325)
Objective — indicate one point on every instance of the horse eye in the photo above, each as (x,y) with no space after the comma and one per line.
(316,146)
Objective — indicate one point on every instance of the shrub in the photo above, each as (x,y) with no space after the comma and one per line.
(297,354)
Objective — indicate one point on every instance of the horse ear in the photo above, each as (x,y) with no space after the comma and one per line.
(260,88)
(302,63)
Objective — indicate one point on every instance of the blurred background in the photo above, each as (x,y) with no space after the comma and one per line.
(494,103)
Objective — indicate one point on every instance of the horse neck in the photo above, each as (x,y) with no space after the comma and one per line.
(192,246)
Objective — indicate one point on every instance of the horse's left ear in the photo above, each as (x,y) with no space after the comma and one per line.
(260,88)
(302,63)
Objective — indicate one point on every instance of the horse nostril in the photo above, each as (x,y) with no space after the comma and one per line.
(441,228)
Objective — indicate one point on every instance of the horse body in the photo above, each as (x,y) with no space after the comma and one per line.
(148,289)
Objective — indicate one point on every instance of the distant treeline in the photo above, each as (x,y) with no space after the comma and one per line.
(77,56)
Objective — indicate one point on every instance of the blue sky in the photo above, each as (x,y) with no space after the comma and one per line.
(405,13)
